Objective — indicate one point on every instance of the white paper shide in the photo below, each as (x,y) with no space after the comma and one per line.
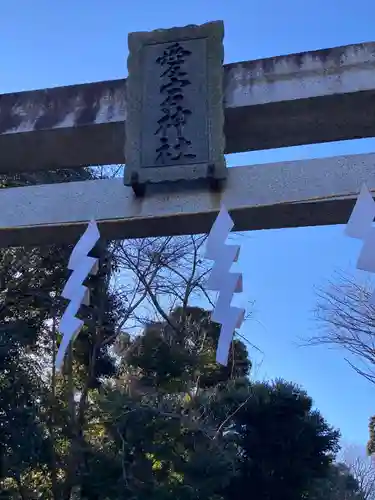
(360,226)
(224,282)
(81,266)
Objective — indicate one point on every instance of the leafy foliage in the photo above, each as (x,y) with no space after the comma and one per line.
(283,443)
(178,353)
(158,420)
(339,484)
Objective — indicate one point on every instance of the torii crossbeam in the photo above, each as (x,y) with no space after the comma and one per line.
(305,98)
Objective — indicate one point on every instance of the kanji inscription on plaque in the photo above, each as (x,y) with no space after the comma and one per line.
(175,118)
(174,146)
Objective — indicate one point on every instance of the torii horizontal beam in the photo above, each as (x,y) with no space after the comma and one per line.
(305,98)
(287,194)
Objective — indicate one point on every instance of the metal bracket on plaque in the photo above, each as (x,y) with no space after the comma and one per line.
(175,114)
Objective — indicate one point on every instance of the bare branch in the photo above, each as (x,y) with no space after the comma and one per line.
(363,469)
(347,321)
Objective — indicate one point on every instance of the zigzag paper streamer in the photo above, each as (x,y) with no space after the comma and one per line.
(360,226)
(81,266)
(225,282)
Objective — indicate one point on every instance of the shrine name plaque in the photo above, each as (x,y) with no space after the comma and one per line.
(175,115)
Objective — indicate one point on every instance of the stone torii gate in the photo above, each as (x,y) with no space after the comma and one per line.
(177,85)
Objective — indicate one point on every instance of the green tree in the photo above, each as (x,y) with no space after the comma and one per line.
(160,419)
(36,425)
(178,354)
(165,447)
(283,443)
(340,484)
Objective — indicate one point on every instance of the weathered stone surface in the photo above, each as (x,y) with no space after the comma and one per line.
(305,98)
(175,118)
(286,194)
(195,101)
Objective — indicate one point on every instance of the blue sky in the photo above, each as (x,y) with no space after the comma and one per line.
(46,43)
